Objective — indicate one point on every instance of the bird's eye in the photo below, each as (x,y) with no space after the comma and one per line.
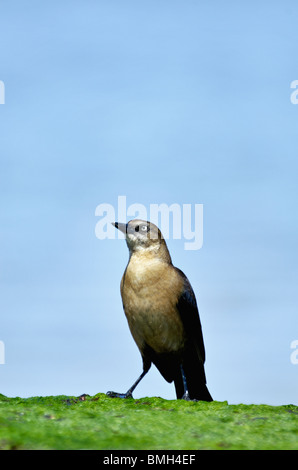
(144,228)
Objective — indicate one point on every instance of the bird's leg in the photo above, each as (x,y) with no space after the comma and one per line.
(128,394)
(186,394)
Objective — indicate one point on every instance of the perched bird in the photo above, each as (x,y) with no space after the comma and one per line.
(162,314)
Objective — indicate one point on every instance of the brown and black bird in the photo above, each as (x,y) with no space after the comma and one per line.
(162,313)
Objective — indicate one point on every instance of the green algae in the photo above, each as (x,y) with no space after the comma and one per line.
(99,422)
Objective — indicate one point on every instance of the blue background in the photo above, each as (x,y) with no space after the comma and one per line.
(175,101)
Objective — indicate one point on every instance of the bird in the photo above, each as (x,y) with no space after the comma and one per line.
(162,313)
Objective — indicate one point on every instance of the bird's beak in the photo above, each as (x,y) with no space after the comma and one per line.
(121,227)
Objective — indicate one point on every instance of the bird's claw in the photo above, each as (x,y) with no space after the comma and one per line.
(187,397)
(119,395)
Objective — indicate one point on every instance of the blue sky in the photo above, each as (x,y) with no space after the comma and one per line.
(163,102)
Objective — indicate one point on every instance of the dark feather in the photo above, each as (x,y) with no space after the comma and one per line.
(194,352)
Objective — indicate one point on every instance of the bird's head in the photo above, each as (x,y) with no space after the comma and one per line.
(143,236)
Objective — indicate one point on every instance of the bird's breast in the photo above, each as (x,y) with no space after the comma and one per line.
(150,290)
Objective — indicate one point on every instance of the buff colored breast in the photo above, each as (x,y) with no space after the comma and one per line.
(149,290)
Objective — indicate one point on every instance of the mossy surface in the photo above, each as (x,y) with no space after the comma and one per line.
(99,422)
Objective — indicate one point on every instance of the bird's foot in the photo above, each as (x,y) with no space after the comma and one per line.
(119,395)
(187,397)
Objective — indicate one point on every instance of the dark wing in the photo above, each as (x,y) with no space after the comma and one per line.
(194,352)
(189,313)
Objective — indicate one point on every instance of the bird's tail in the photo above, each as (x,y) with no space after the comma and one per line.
(195,380)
